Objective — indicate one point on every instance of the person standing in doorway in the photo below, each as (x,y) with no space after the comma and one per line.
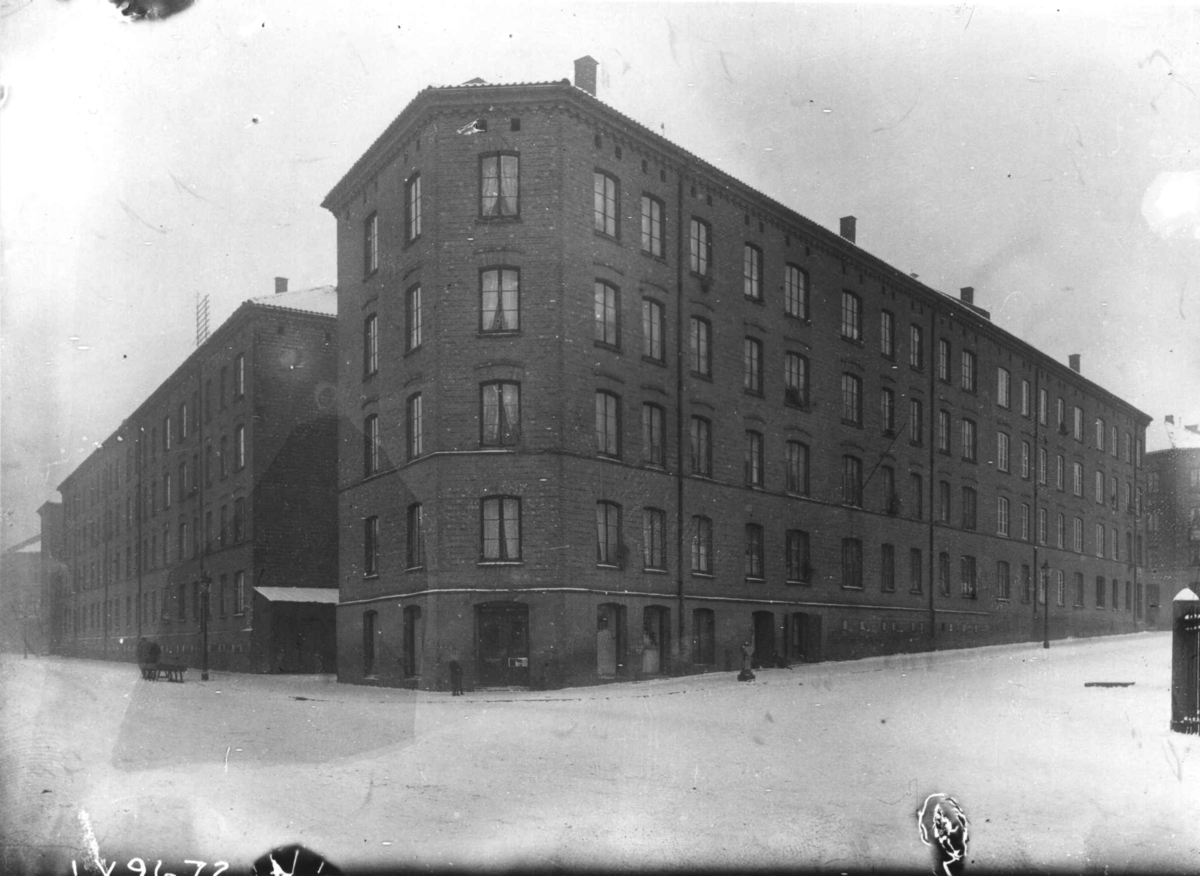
(455,678)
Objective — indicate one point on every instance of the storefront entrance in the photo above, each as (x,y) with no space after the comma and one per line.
(502,633)
(656,628)
(764,639)
(610,640)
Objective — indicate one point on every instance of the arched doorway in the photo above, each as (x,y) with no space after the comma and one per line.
(610,639)
(502,635)
(656,628)
(764,639)
(704,637)
(413,645)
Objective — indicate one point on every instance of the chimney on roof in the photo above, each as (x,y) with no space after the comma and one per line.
(849,226)
(1073,361)
(280,285)
(967,294)
(585,74)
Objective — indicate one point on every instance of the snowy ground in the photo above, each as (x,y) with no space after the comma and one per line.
(821,766)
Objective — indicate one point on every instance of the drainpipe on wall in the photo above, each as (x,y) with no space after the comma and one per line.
(679,364)
(931,347)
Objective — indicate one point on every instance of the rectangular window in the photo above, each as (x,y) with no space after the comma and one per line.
(1002,516)
(1002,451)
(652,435)
(370,546)
(752,355)
(412,207)
(795,292)
(608,534)
(796,546)
(754,459)
(887,482)
(608,310)
(1002,390)
(1077,533)
(1112,442)
(239,448)
(500,300)
(501,535)
(944,573)
(607,207)
(1077,479)
(795,465)
(943,431)
(1025,398)
(887,411)
(608,424)
(702,546)
(851,399)
(222,528)
(652,329)
(1077,423)
(1025,448)
(1100,434)
(652,226)
(943,360)
(416,537)
(968,577)
(239,520)
(371,245)
(1060,531)
(887,334)
(415,426)
(916,347)
(851,316)
(1099,487)
(944,501)
(701,446)
(917,488)
(754,551)
(1025,521)
(916,573)
(166,433)
(370,445)
(1100,539)
(239,382)
(370,345)
(412,315)
(500,402)
(795,380)
(1003,582)
(699,247)
(852,480)
(916,420)
(968,440)
(701,339)
(852,563)
(968,509)
(654,554)
(499,186)
(887,568)
(1043,406)
(183,420)
(752,267)
(968,371)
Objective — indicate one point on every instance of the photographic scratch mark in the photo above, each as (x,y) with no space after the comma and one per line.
(1078,172)
(670,40)
(136,217)
(91,846)
(898,121)
(180,184)
(227,759)
(725,66)
(970,15)
(150,10)
(1174,761)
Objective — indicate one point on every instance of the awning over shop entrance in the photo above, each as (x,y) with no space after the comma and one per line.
(325,595)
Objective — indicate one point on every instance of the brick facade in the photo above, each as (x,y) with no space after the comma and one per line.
(243,495)
(566,611)
(1173,528)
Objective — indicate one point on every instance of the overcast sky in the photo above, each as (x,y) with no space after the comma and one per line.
(1050,159)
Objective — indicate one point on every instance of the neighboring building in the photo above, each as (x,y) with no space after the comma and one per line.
(24,623)
(1172,521)
(608,412)
(53,572)
(221,482)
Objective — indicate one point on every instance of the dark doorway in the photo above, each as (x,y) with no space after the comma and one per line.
(656,628)
(704,637)
(503,636)
(369,620)
(804,638)
(413,634)
(764,639)
(610,640)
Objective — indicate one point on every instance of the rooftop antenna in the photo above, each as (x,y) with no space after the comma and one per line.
(201,319)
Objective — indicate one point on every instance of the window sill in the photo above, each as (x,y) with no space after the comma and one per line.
(420,568)
(604,345)
(803,320)
(855,341)
(498,333)
(654,570)
(488,220)
(657,258)
(753,299)
(650,360)
(604,235)
(756,393)
(373,576)
(500,563)
(708,575)
(797,582)
(699,375)
(751,579)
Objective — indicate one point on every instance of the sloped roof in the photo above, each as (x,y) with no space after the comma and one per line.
(319,299)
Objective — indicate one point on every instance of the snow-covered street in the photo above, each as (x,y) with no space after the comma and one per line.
(819,766)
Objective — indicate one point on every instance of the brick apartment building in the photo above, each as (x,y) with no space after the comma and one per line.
(608,412)
(1172,522)
(221,483)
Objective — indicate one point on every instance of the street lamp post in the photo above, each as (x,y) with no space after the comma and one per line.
(205,584)
(1045,605)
